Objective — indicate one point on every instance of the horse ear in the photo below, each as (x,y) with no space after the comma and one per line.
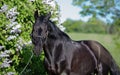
(47,17)
(36,14)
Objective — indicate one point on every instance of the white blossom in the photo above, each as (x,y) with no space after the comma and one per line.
(20,41)
(4,55)
(55,19)
(15,31)
(13,19)
(12,13)
(10,73)
(18,47)
(6,63)
(19,44)
(12,24)
(7,51)
(1,47)
(61,27)
(50,2)
(11,37)
(16,27)
(4,8)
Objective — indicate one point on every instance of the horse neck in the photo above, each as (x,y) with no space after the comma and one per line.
(55,38)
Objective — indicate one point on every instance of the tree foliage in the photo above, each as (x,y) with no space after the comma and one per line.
(92,26)
(116,30)
(103,8)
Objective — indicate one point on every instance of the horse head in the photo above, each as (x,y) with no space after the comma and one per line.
(39,32)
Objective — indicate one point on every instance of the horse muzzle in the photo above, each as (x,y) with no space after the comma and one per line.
(37,50)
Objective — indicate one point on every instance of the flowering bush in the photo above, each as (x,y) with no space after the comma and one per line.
(9,36)
(16,20)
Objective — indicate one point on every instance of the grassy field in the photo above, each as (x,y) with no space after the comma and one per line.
(105,40)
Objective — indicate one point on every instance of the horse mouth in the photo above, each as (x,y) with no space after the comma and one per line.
(37,51)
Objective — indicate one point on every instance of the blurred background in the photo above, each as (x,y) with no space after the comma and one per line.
(81,19)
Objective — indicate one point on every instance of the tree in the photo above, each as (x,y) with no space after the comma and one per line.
(72,25)
(108,9)
(92,26)
(116,30)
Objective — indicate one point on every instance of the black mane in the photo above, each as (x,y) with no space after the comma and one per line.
(55,32)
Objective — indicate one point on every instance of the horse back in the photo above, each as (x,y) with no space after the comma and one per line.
(101,53)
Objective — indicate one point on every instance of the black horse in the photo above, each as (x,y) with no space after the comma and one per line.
(64,56)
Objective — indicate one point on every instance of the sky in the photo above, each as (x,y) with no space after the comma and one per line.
(67,10)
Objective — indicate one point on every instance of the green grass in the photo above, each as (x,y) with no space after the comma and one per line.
(105,40)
